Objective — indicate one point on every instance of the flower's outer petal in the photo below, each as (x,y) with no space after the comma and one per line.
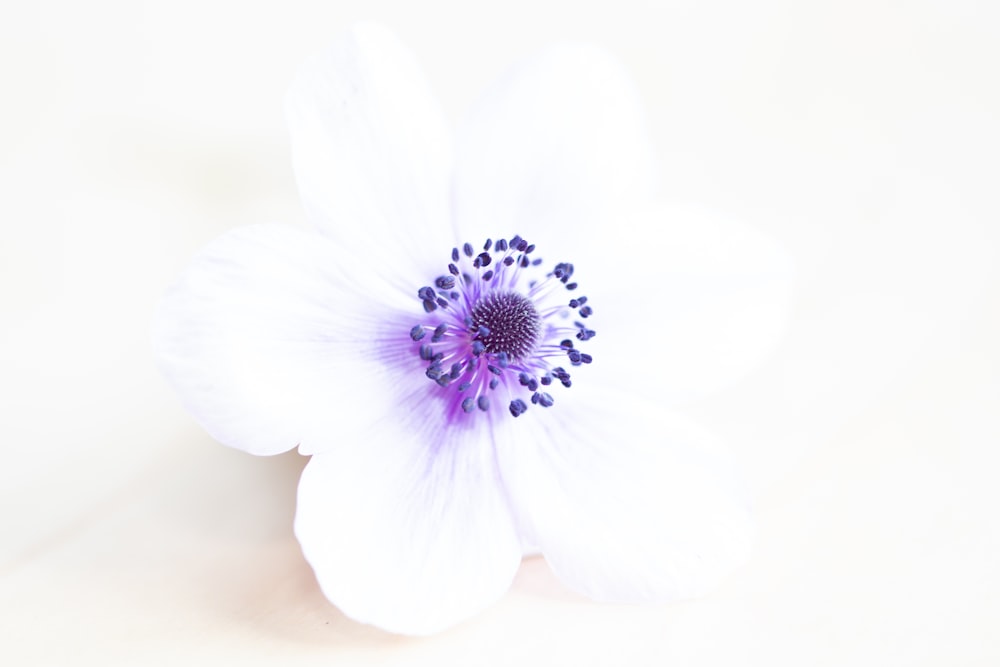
(258,335)
(704,298)
(627,503)
(554,149)
(372,154)
(405,533)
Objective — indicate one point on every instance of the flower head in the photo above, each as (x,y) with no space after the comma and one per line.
(431,341)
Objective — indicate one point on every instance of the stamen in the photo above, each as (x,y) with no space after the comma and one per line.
(517,407)
(503,325)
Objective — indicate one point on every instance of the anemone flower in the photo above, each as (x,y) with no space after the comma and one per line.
(478,341)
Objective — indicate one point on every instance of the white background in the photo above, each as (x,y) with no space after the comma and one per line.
(864,136)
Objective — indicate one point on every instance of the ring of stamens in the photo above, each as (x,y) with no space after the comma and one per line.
(490,329)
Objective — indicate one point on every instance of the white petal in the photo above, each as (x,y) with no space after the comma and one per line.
(406,532)
(686,302)
(556,147)
(626,502)
(261,335)
(372,153)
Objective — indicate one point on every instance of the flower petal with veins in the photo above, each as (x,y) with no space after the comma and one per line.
(372,155)
(405,534)
(259,334)
(557,147)
(630,504)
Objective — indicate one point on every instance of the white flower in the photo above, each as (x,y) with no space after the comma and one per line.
(435,400)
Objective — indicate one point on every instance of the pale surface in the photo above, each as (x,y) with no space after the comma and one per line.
(864,136)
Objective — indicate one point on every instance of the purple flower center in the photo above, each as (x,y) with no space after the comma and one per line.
(494,325)
(513,323)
